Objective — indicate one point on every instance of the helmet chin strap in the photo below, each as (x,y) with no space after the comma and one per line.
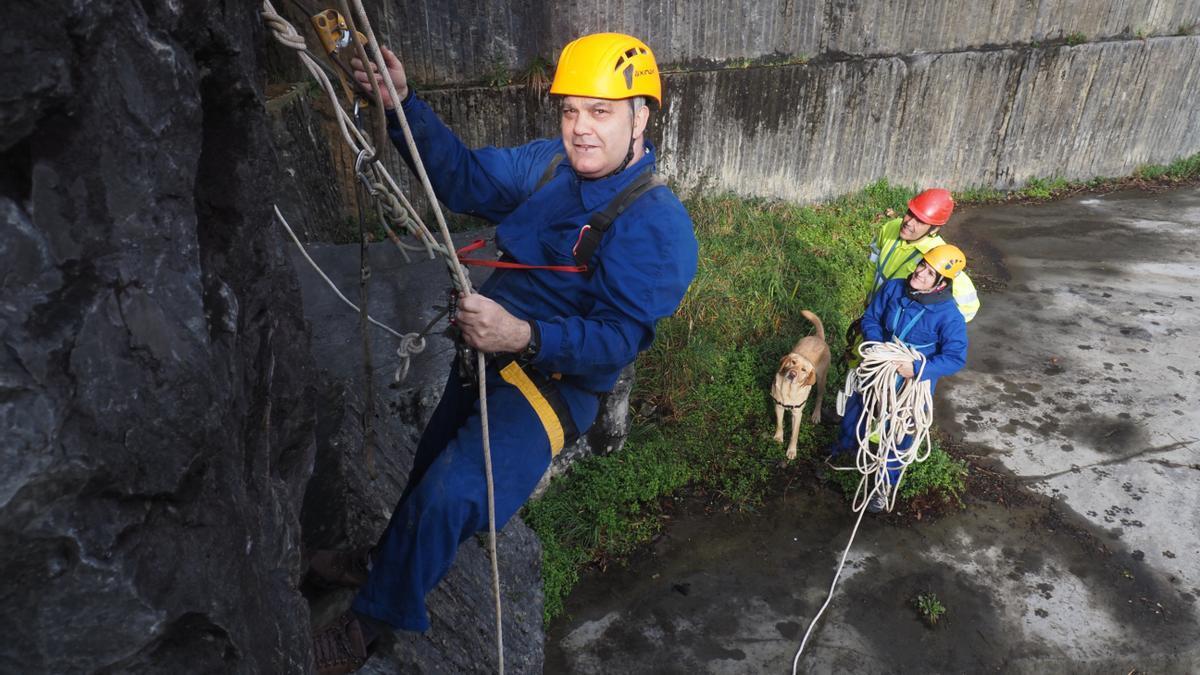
(628,155)
(621,167)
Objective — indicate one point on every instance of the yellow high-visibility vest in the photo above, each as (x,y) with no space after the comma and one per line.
(894,258)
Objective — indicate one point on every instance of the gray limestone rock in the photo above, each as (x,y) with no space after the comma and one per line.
(167,434)
(155,377)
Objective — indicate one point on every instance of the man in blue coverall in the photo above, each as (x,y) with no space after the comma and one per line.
(560,337)
(921,312)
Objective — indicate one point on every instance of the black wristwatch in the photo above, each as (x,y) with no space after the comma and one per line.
(535,342)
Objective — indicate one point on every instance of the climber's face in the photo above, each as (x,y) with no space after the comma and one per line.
(598,133)
(923,278)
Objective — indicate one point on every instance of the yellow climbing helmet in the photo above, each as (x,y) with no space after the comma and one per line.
(947,260)
(607,65)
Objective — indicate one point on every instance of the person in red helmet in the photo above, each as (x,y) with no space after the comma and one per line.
(897,249)
(901,242)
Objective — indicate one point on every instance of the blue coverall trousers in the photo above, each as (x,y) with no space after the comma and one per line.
(848,437)
(445,501)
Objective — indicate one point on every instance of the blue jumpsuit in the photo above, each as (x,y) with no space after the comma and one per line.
(591,326)
(931,324)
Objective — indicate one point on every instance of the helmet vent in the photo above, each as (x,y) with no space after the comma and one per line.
(628,73)
(619,62)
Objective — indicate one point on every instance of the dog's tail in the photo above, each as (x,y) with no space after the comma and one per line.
(816,321)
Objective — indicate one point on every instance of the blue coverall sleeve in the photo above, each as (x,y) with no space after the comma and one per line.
(872,320)
(643,272)
(488,182)
(951,353)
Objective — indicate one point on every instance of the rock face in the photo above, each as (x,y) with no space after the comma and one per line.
(349,502)
(155,376)
(162,412)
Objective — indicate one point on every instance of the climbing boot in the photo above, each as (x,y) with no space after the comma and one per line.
(878,503)
(339,647)
(339,568)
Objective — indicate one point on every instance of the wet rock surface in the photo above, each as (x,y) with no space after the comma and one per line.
(155,377)
(1077,551)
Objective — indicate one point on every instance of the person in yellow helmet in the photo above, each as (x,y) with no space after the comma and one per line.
(595,250)
(918,310)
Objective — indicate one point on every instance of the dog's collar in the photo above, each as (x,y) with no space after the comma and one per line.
(789,406)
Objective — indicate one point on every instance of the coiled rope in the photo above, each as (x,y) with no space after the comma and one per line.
(889,414)
(384,184)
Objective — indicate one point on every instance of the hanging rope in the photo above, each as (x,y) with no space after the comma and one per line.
(287,35)
(889,414)
(463,284)
(410,343)
(364,278)
(383,185)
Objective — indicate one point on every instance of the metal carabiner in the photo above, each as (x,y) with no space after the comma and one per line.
(364,155)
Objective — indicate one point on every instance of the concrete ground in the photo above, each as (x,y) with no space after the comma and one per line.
(1079,550)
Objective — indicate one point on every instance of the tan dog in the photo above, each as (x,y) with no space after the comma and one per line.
(806,365)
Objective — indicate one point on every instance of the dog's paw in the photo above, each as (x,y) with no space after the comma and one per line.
(791,454)
(816,417)
(778,437)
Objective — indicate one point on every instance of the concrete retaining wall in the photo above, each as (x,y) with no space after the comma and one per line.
(978,98)
(460,42)
(977,118)
(961,119)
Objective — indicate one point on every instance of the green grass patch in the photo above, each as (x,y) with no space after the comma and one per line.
(1043,188)
(1186,168)
(1040,189)
(979,195)
(929,607)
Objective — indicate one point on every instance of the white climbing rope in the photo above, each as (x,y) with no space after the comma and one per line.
(379,182)
(410,343)
(463,283)
(384,188)
(889,414)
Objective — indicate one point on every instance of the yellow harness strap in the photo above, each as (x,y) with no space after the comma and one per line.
(514,375)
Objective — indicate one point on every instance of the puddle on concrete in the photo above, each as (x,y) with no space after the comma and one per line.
(735,592)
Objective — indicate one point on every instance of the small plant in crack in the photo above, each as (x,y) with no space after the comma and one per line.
(930,608)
